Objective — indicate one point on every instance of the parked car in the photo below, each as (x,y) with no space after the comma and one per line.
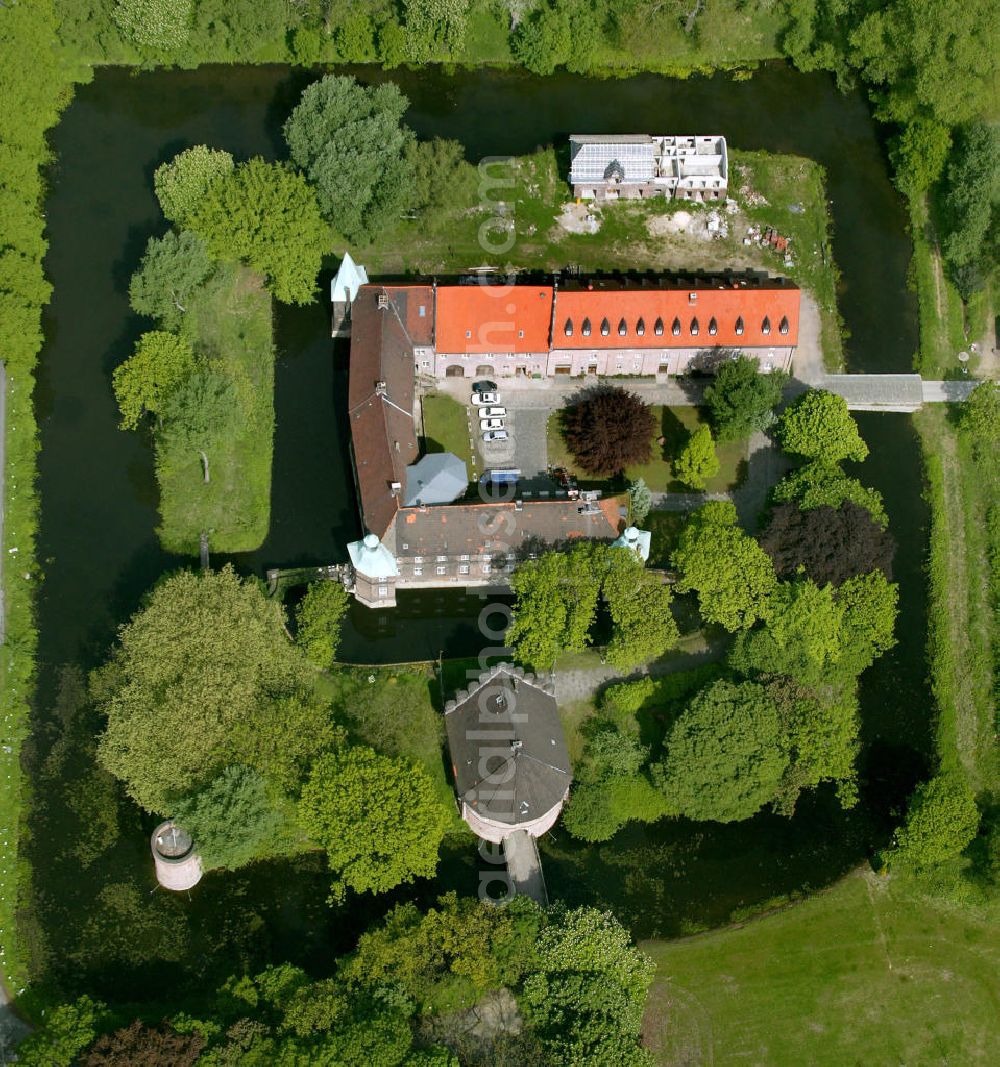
(495,435)
(492,413)
(484,386)
(491,424)
(479,399)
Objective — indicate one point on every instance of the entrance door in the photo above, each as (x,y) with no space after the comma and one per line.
(484,370)
(455,371)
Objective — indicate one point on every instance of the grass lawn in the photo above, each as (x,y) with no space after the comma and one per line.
(446,429)
(863,974)
(228,320)
(675,426)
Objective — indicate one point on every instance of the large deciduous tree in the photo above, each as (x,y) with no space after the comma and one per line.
(741,399)
(145,382)
(828,544)
(173,267)
(821,484)
(698,461)
(159,1046)
(543,39)
(377,818)
(182,184)
(981,415)
(318,621)
(819,426)
(348,140)
(266,215)
(941,821)
(638,602)
(195,681)
(155,26)
(725,755)
(729,571)
(609,430)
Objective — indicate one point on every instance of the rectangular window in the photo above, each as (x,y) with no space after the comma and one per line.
(383,590)
(463,569)
(426,363)
(423,311)
(463,557)
(442,559)
(418,559)
(486,568)
(441,570)
(405,545)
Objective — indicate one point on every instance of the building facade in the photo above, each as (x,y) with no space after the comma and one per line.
(633,166)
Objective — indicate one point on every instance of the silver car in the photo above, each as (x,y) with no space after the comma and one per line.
(492,413)
(491,424)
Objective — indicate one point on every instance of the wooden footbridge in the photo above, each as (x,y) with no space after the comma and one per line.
(895,392)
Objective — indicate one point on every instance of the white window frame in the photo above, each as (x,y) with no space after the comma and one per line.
(441,569)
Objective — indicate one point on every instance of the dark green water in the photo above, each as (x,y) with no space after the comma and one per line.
(98,495)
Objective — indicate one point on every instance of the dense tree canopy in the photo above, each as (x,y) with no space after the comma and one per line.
(183,183)
(318,620)
(729,571)
(725,754)
(698,461)
(981,414)
(638,602)
(742,399)
(940,822)
(378,819)
(819,426)
(543,39)
(173,267)
(349,141)
(609,430)
(197,673)
(152,1046)
(640,500)
(146,381)
(266,215)
(822,484)
(154,25)
(827,544)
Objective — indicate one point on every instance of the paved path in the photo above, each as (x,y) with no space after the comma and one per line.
(524,866)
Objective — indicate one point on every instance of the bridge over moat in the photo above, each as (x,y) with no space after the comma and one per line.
(895,392)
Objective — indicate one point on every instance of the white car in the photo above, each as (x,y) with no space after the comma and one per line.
(495,435)
(485,398)
(492,413)
(491,424)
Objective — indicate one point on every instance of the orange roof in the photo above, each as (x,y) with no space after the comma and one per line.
(493,318)
(711,318)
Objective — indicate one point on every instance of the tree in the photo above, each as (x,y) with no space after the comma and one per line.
(203,661)
(182,184)
(609,430)
(68,1030)
(698,462)
(828,544)
(822,484)
(434,26)
(233,820)
(145,382)
(919,154)
(870,603)
(435,168)
(742,399)
(725,755)
(172,268)
(542,41)
(981,414)
(941,821)
(639,604)
(819,426)
(266,215)
(202,410)
(640,500)
(154,25)
(585,998)
(151,1046)
(729,571)
(318,620)
(378,819)
(349,142)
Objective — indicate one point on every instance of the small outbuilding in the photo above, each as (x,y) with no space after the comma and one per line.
(437,478)
(178,865)
(509,758)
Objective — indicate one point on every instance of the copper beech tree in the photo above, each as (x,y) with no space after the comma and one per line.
(609,430)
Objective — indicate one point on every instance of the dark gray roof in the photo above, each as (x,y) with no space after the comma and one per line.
(437,478)
(507,748)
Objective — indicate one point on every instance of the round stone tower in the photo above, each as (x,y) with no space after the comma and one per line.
(178,865)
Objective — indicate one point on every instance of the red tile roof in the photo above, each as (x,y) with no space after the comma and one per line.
(493,318)
(673,310)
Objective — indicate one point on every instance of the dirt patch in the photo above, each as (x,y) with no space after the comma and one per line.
(578,218)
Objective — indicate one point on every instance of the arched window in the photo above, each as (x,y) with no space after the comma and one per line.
(739,326)
(713,327)
(605,327)
(695,327)
(675,327)
(640,327)
(585,328)
(658,327)
(765,326)
(568,328)
(783,325)
(622,328)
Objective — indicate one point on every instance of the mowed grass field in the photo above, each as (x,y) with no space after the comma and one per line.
(446,429)
(866,973)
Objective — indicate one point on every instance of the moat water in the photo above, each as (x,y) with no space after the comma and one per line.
(99,498)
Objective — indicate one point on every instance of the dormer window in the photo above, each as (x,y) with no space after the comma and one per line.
(568,328)
(622,328)
(783,325)
(605,327)
(675,328)
(585,328)
(658,327)
(694,327)
(765,326)
(713,327)
(739,326)
(640,327)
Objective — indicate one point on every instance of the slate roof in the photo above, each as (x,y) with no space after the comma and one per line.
(438,478)
(509,756)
